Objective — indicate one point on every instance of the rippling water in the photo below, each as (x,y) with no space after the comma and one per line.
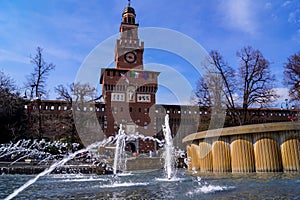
(154,186)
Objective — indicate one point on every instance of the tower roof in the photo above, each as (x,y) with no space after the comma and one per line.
(129,9)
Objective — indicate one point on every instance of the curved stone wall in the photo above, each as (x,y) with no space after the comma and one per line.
(242,154)
(272,147)
(205,161)
(221,159)
(290,154)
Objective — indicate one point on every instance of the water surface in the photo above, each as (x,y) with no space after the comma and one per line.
(154,186)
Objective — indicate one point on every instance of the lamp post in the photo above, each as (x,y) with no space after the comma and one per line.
(286,104)
(295,108)
(291,109)
(296,98)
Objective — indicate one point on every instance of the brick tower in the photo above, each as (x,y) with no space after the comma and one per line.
(128,90)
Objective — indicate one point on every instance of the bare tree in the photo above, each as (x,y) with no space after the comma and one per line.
(64,92)
(256,80)
(201,95)
(12,116)
(209,87)
(253,84)
(292,76)
(36,81)
(218,86)
(77,93)
(82,93)
(82,99)
(209,98)
(229,82)
(6,83)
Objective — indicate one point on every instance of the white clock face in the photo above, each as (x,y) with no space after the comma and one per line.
(130,57)
(130,128)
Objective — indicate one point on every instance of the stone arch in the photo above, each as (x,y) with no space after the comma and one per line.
(267,155)
(131,147)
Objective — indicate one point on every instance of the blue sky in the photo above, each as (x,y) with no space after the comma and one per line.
(68,30)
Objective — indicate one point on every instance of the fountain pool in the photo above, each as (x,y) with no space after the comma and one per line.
(152,186)
(166,183)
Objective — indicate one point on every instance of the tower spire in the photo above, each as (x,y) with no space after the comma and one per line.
(129,3)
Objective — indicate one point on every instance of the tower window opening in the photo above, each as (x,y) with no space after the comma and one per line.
(129,34)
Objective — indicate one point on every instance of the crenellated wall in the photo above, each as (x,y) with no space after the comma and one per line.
(271,147)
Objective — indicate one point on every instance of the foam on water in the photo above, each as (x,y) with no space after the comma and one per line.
(203,187)
(126,184)
(173,179)
(124,174)
(84,180)
(66,176)
(213,188)
(206,189)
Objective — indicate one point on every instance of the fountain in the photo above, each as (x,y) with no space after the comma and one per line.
(119,158)
(57,164)
(41,150)
(32,152)
(136,185)
(169,150)
(122,160)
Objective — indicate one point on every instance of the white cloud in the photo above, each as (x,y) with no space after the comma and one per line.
(268,5)
(296,37)
(292,17)
(11,56)
(283,95)
(286,3)
(239,15)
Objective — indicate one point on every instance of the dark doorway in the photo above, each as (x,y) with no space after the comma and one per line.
(131,147)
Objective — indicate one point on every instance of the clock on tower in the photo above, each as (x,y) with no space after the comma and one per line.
(130,57)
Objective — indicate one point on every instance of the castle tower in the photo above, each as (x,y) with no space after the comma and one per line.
(129,91)
(129,50)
